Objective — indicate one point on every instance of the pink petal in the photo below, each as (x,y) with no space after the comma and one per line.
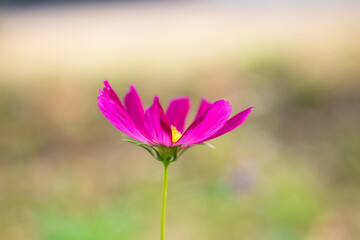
(232,123)
(135,110)
(203,108)
(157,124)
(177,112)
(204,105)
(207,124)
(110,93)
(119,118)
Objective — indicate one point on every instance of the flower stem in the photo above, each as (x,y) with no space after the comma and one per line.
(164,194)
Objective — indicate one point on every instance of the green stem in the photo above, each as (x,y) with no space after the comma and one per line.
(164,194)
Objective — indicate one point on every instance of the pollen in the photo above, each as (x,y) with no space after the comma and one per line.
(176,135)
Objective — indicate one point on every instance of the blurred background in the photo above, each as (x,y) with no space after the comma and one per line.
(291,172)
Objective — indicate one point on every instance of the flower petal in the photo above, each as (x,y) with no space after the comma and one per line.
(207,124)
(157,124)
(110,93)
(177,112)
(232,123)
(204,105)
(135,110)
(203,108)
(119,117)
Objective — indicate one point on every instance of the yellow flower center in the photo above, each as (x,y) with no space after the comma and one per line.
(176,135)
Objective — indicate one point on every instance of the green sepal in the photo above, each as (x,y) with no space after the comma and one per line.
(165,154)
(150,149)
(208,145)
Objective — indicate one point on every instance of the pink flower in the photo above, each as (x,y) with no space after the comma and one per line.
(157,128)
(162,134)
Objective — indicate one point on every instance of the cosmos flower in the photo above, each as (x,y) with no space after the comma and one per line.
(156,128)
(163,134)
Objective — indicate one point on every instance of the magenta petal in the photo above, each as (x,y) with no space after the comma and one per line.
(110,93)
(135,110)
(204,105)
(177,112)
(232,123)
(119,118)
(212,120)
(202,111)
(157,124)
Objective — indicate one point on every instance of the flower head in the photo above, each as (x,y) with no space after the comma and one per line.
(156,129)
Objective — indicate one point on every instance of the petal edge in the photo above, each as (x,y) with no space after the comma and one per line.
(177,112)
